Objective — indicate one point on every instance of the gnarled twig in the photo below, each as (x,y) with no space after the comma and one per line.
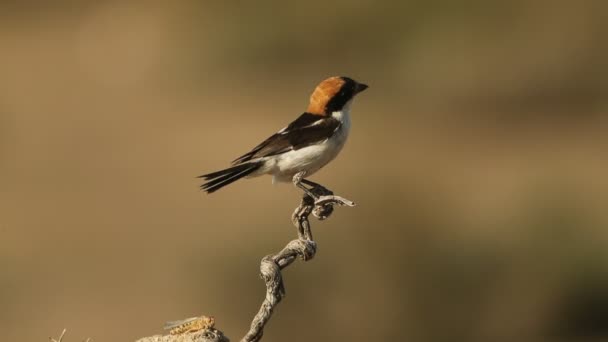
(303,247)
(270,269)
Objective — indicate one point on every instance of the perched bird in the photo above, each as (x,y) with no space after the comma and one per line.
(304,146)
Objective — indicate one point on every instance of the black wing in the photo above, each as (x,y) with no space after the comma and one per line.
(306,130)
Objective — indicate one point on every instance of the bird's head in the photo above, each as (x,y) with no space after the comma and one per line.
(333,94)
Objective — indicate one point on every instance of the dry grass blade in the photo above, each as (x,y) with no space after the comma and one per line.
(60,337)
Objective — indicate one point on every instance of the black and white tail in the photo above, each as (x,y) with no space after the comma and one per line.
(219,179)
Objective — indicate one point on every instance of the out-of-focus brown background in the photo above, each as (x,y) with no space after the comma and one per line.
(478,159)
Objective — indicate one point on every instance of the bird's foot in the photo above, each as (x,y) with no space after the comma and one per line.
(324,204)
(319,198)
(299,181)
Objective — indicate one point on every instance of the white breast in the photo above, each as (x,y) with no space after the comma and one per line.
(339,138)
(312,158)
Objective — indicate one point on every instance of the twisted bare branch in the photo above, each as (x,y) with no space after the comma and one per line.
(304,247)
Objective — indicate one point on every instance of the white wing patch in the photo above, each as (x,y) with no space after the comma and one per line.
(284,131)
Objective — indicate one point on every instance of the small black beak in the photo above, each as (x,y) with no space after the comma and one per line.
(360,87)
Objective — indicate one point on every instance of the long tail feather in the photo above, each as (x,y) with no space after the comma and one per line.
(219,179)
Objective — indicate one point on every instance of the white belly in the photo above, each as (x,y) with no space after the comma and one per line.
(311,158)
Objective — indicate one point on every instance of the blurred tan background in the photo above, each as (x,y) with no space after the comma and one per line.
(478,159)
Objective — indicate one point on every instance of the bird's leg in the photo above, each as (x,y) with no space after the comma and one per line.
(299,181)
(311,183)
(318,189)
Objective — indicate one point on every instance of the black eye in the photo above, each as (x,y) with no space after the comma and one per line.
(339,100)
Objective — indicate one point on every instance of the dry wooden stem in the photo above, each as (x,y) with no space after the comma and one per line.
(270,269)
(303,247)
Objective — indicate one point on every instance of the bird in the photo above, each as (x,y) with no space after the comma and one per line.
(302,147)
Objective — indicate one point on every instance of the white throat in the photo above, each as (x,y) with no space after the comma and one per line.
(343,116)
